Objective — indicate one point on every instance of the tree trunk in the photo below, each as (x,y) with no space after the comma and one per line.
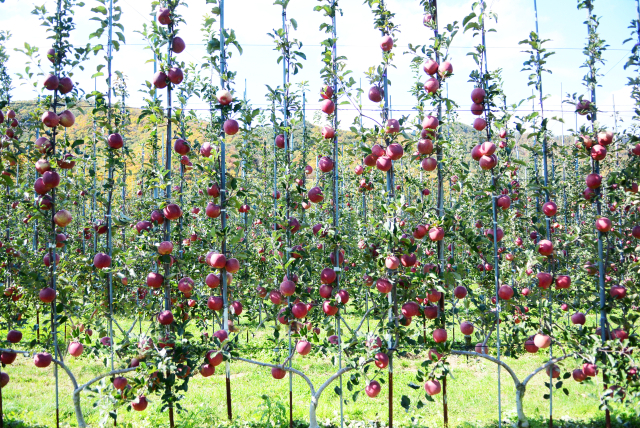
(313,423)
(522,419)
(78,410)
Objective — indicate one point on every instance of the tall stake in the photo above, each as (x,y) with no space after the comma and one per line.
(223,203)
(110,196)
(440,214)
(545,172)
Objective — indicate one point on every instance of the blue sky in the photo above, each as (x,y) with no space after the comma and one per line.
(560,21)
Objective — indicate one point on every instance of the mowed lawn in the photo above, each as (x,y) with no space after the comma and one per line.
(472,395)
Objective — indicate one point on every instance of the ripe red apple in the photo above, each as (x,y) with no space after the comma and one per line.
(115,141)
(436,233)
(505,292)
(326,92)
(478,95)
(432,387)
(563,282)
(430,122)
(384,163)
(165,247)
(589,369)
(545,247)
(544,280)
(163,15)
(466,328)
(432,85)
(410,309)
(578,318)
(231,127)
(479,124)
(387,43)
(445,69)
(175,75)
(67,119)
(392,262)
(160,80)
(381,360)
(372,389)
(327,276)
(50,119)
(530,346)
(598,152)
(553,371)
(460,292)
(393,126)
(327,106)
(215,303)
(303,347)
(278,372)
(65,85)
(14,336)
(504,202)
(328,132)
(578,375)
(395,151)
(376,94)
(155,280)
(488,162)
(101,261)
(172,212)
(425,147)
(429,164)
(120,383)
(583,107)
(75,349)
(51,82)
(140,403)
(206,149)
(165,317)
(178,45)
(315,195)
(4,379)
(430,67)
(42,360)
(487,149)
(603,224)
(325,164)
(384,286)
(477,109)
(542,341)
(51,179)
(224,97)
(594,181)
(440,335)
(550,209)
(618,292)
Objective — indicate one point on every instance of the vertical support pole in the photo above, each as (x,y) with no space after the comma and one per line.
(52,242)
(545,172)
(440,214)
(335,189)
(110,197)
(223,203)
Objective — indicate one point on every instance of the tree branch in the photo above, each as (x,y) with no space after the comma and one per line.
(66,369)
(111,373)
(544,366)
(25,353)
(336,375)
(364,317)
(289,369)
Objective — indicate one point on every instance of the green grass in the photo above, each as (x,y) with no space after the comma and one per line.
(472,396)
